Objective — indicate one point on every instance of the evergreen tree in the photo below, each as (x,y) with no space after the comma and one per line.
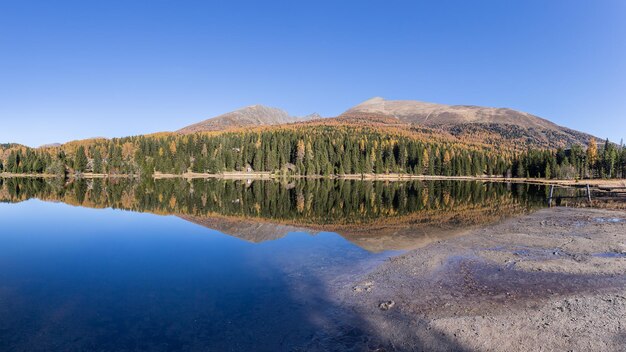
(97,162)
(80,160)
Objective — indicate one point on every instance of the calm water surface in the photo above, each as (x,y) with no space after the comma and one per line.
(210,265)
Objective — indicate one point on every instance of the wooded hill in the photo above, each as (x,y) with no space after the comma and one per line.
(305,150)
(475,122)
(378,137)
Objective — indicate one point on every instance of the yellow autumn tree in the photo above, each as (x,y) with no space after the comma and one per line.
(300,150)
(592,153)
(425,159)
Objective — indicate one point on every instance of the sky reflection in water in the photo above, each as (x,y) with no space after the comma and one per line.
(114,280)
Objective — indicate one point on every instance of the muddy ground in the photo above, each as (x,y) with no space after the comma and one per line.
(554,280)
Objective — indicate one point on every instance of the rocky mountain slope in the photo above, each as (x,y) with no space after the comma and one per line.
(491,125)
(250,116)
(469,120)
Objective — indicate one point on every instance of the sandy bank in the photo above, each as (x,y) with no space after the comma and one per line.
(554,280)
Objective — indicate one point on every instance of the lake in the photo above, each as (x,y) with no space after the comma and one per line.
(212,265)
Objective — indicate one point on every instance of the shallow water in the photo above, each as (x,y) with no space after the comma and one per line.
(91,276)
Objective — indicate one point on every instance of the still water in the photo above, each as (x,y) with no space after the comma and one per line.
(211,265)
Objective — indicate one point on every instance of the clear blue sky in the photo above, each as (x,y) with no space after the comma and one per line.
(77,69)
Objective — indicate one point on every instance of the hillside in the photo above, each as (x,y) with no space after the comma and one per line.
(495,126)
(375,137)
(470,121)
(250,116)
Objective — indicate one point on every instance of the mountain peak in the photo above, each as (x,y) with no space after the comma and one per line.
(390,108)
(313,116)
(374,100)
(418,112)
(256,107)
(249,116)
(465,121)
(460,118)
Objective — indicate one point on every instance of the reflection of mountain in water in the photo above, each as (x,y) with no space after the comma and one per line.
(374,215)
(251,231)
(374,239)
(400,233)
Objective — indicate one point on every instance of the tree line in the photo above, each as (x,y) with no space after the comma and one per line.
(313,150)
(609,161)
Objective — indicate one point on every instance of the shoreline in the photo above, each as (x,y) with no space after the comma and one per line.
(599,183)
(528,283)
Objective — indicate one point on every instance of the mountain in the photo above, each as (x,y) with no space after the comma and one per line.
(466,122)
(11,145)
(51,145)
(250,116)
(430,114)
(470,120)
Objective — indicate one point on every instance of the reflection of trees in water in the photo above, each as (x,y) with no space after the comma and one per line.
(306,201)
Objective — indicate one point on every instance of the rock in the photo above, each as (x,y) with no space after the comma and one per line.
(364,287)
(386,305)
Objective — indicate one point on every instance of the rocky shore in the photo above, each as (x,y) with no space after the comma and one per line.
(554,280)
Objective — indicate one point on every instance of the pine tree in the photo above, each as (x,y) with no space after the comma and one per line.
(80,160)
(97,161)
(12,162)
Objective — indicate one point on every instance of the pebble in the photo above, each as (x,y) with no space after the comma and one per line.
(386,305)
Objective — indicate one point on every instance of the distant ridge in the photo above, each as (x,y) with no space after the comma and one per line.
(463,119)
(250,116)
(494,125)
(51,145)
(411,111)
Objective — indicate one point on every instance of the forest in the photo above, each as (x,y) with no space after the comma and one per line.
(609,161)
(312,150)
